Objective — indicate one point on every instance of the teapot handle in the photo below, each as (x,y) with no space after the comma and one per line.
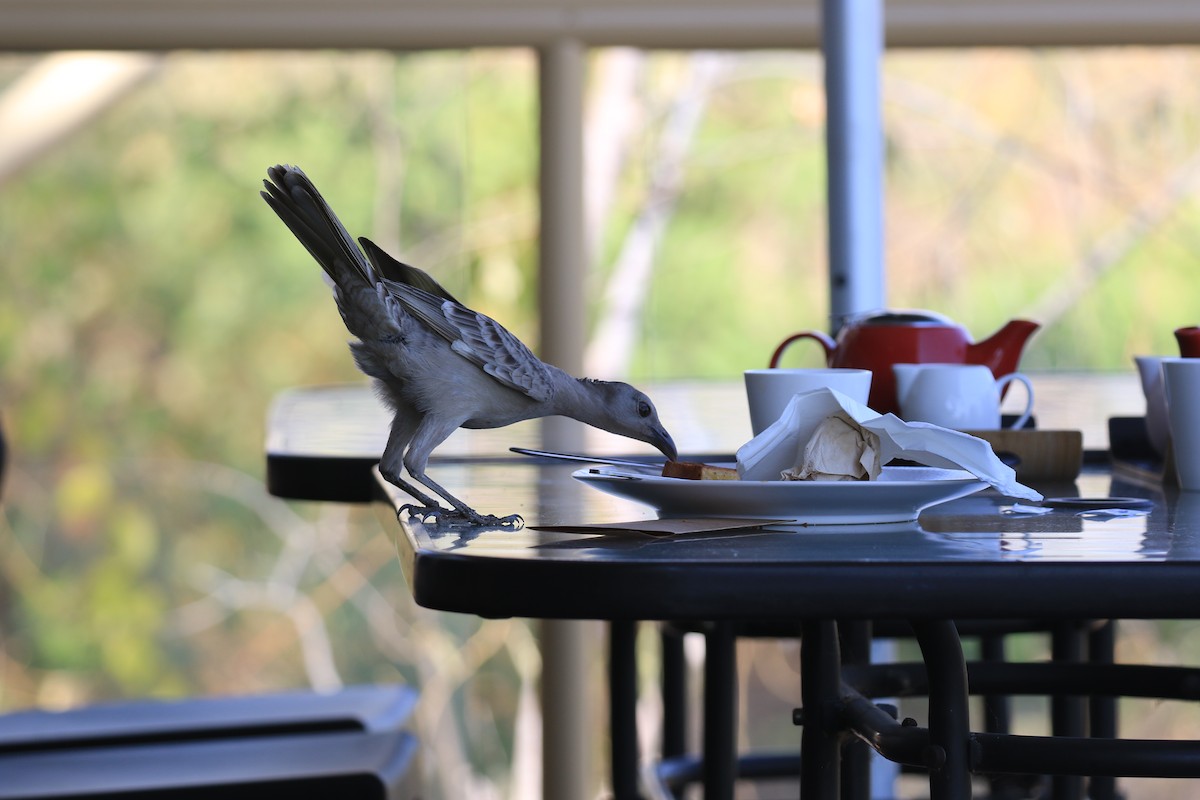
(822,338)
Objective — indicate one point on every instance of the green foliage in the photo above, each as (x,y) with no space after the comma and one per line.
(153,305)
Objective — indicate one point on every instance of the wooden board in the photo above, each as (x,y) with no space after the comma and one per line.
(1044,455)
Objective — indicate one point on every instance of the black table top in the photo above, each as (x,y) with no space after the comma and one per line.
(963,559)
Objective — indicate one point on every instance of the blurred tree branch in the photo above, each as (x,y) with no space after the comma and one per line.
(60,95)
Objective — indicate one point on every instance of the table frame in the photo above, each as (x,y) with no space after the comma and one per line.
(832,706)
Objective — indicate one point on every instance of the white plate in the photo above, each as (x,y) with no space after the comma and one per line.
(900,494)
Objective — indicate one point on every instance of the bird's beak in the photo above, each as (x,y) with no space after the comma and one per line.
(663,441)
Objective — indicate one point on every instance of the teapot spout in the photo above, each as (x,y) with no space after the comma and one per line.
(1001,352)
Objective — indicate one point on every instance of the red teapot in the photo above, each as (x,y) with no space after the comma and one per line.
(878,339)
(1189,341)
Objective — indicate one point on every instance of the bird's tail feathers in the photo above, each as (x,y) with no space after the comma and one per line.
(292,196)
(366,306)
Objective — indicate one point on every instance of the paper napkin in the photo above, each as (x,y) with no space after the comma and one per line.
(874,439)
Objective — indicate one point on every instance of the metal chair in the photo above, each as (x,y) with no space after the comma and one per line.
(354,743)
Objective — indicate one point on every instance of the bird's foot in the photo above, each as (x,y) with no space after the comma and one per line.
(438,517)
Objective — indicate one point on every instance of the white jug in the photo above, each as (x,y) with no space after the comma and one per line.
(959,396)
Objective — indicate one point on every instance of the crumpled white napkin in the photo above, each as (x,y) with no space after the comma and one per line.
(781,446)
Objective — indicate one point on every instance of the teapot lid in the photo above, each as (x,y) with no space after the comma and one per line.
(912,317)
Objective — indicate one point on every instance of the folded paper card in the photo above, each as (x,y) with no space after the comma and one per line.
(859,442)
(663,527)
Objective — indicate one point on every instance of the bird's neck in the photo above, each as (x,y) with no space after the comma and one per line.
(581,399)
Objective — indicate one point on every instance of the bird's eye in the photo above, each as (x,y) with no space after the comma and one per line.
(643,409)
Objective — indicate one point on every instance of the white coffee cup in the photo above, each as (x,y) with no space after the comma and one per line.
(768,391)
(959,396)
(1157,427)
(1181,381)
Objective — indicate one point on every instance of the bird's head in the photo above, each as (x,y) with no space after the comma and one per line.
(628,412)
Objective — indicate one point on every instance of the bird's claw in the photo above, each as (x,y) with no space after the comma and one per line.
(438,517)
(512,521)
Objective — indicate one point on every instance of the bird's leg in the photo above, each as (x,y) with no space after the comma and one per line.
(392,461)
(429,433)
(465,512)
(428,504)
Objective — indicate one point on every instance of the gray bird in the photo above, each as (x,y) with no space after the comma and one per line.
(438,364)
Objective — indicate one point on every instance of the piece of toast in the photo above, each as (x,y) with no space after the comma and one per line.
(695,471)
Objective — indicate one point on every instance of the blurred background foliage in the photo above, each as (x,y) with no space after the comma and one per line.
(152,306)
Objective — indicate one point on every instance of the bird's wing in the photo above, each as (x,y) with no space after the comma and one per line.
(400,272)
(481,340)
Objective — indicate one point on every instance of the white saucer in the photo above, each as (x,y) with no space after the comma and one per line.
(900,494)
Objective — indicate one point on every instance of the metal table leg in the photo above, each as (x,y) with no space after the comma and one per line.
(949,719)
(1068,713)
(997,718)
(674,693)
(622,699)
(720,712)
(855,642)
(820,686)
(996,707)
(1102,708)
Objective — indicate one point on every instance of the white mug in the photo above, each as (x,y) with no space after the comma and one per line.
(959,396)
(1181,381)
(768,391)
